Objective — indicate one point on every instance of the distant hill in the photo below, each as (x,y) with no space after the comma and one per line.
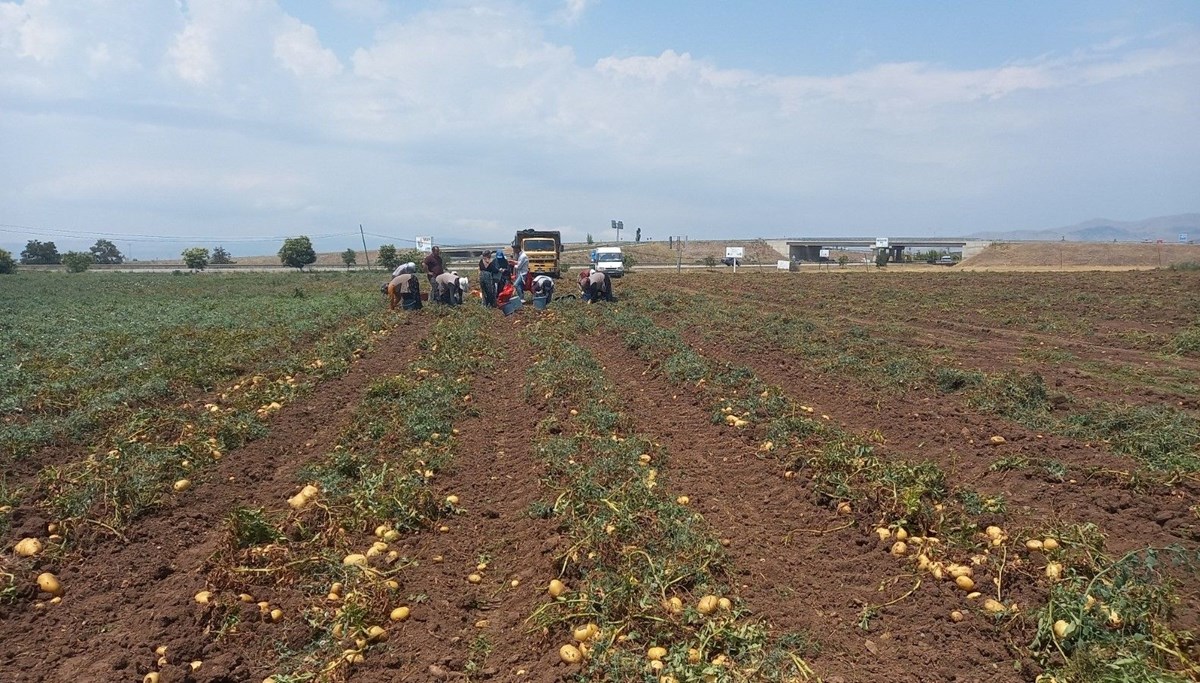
(1165,228)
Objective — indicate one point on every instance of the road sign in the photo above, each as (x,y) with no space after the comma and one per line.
(1183,237)
(425,244)
(881,242)
(824,253)
(735,252)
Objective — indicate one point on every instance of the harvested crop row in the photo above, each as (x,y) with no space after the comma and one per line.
(925,520)
(325,576)
(1163,439)
(643,589)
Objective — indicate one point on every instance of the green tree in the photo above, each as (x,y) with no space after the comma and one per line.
(349,258)
(105,252)
(881,258)
(7,264)
(40,253)
(77,261)
(637,235)
(415,255)
(843,260)
(297,252)
(628,262)
(387,256)
(589,238)
(220,257)
(710,261)
(195,258)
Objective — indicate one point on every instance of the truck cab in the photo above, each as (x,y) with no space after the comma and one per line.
(609,260)
(543,248)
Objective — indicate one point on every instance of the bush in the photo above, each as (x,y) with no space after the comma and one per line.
(77,262)
(195,258)
(388,258)
(7,264)
(297,252)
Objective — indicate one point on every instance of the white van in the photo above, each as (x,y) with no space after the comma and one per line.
(609,260)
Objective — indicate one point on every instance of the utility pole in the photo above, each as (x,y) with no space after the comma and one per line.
(366,255)
(618,226)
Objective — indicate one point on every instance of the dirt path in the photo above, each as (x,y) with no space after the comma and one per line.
(789,572)
(464,631)
(124,599)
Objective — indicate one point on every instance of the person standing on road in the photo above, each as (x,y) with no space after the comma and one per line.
(433,268)
(489,274)
(404,288)
(522,270)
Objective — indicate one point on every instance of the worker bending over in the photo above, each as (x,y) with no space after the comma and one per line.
(405,288)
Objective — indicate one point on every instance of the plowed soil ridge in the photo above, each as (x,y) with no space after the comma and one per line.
(125,598)
(463,631)
(801,566)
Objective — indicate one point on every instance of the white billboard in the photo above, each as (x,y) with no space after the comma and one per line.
(881,242)
(735,252)
(425,244)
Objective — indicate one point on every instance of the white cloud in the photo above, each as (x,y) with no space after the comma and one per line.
(573,11)
(29,33)
(299,50)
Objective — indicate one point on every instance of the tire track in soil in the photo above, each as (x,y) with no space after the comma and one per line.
(124,599)
(800,581)
(496,476)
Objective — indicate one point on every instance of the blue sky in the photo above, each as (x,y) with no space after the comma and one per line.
(166,124)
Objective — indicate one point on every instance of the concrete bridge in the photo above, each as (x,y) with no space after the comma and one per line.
(809,248)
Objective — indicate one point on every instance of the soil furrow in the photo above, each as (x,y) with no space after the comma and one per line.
(465,631)
(801,566)
(125,598)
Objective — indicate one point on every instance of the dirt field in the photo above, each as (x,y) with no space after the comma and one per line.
(943,475)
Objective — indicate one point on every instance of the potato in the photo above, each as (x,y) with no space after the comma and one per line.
(570,654)
(1054,571)
(28,547)
(276,615)
(1033,544)
(355,559)
(196,664)
(1049,544)
(993,606)
(673,605)
(994,532)
(899,548)
(844,508)
(381,530)
(707,604)
(724,604)
(203,597)
(377,634)
(655,654)
(391,535)
(182,485)
(1062,629)
(582,633)
(901,534)
(683,500)
(956,616)
(151,677)
(474,578)
(965,583)
(49,583)
(452,500)
(400,614)
(556,588)
(883,533)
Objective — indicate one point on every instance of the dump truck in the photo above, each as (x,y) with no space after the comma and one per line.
(543,247)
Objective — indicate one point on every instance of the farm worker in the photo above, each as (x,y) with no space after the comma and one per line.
(522,270)
(505,267)
(446,285)
(403,268)
(543,291)
(489,276)
(404,287)
(433,268)
(599,286)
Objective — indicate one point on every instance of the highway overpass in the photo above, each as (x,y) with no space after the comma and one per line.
(809,248)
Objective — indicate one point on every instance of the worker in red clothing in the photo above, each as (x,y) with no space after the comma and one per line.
(433,268)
